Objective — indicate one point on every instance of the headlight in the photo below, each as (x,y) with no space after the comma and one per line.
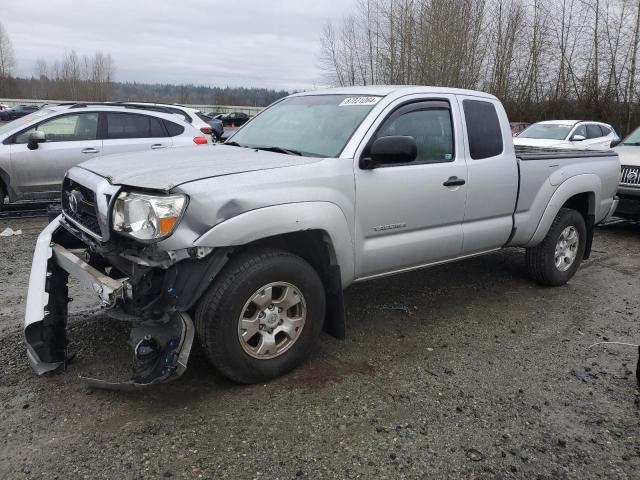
(147,217)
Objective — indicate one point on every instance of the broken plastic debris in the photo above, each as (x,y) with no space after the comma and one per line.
(9,232)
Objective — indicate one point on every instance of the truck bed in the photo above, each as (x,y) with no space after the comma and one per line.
(542,171)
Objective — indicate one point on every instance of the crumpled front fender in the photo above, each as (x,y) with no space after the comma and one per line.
(37,305)
(161,346)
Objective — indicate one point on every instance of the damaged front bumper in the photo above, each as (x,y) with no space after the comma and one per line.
(161,346)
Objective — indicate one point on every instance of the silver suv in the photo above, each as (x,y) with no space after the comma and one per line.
(36,150)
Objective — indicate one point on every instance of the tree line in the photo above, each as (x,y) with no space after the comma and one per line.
(544,59)
(91,78)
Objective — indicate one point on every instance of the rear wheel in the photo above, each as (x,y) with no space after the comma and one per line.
(262,316)
(557,258)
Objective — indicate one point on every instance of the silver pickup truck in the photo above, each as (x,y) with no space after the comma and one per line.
(256,239)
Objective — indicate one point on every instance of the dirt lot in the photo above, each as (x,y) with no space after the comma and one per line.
(463,371)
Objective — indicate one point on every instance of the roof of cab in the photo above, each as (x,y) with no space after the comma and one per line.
(399,90)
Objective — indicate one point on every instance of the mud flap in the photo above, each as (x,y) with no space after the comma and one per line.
(335,323)
(161,352)
(590,224)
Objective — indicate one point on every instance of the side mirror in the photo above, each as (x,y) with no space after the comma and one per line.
(392,149)
(615,143)
(35,138)
(578,138)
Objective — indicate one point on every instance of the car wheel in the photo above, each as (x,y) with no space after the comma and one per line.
(3,196)
(555,261)
(262,316)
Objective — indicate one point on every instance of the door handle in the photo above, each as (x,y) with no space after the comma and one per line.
(90,150)
(156,146)
(454,182)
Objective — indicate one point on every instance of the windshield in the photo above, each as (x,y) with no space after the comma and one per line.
(314,125)
(633,138)
(7,127)
(546,131)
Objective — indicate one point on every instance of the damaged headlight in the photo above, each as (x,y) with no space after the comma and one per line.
(147,217)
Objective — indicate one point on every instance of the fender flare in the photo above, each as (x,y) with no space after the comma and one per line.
(579,184)
(289,218)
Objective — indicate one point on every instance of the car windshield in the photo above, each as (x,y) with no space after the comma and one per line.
(633,138)
(27,119)
(546,131)
(313,125)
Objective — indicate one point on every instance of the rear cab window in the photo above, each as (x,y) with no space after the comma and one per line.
(483,129)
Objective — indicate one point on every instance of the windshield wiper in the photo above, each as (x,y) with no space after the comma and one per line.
(635,144)
(234,144)
(279,150)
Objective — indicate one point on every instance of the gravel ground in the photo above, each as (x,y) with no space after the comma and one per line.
(467,370)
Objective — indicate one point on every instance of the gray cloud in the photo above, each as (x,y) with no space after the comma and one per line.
(257,43)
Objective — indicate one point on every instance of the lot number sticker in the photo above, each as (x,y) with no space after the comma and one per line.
(356,101)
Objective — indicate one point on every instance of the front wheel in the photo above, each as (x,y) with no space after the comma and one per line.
(262,316)
(555,261)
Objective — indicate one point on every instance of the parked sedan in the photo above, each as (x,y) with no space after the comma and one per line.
(234,119)
(18,111)
(36,150)
(629,189)
(569,134)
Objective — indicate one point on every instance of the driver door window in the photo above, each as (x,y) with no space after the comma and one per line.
(66,128)
(430,127)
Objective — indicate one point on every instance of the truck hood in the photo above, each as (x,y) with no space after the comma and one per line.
(629,155)
(166,169)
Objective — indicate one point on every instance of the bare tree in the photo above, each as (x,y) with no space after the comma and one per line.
(7,57)
(631,92)
(543,58)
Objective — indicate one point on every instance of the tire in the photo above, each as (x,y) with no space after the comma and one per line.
(542,259)
(219,311)
(3,195)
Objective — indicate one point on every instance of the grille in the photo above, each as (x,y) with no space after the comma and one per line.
(630,175)
(84,199)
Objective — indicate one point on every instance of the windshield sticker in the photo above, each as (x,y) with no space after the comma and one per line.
(359,101)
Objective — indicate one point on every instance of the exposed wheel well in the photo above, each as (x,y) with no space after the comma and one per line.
(308,244)
(584,203)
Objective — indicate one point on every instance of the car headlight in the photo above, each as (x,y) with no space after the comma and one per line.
(147,217)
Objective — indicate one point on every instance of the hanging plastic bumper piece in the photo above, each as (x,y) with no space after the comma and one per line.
(161,348)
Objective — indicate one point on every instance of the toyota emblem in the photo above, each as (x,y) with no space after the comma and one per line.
(631,176)
(75,197)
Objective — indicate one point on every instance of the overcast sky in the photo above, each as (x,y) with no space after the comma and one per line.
(255,43)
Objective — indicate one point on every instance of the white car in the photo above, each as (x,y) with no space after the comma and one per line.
(36,150)
(190,115)
(570,134)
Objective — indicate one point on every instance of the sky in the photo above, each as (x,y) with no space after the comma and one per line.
(252,43)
